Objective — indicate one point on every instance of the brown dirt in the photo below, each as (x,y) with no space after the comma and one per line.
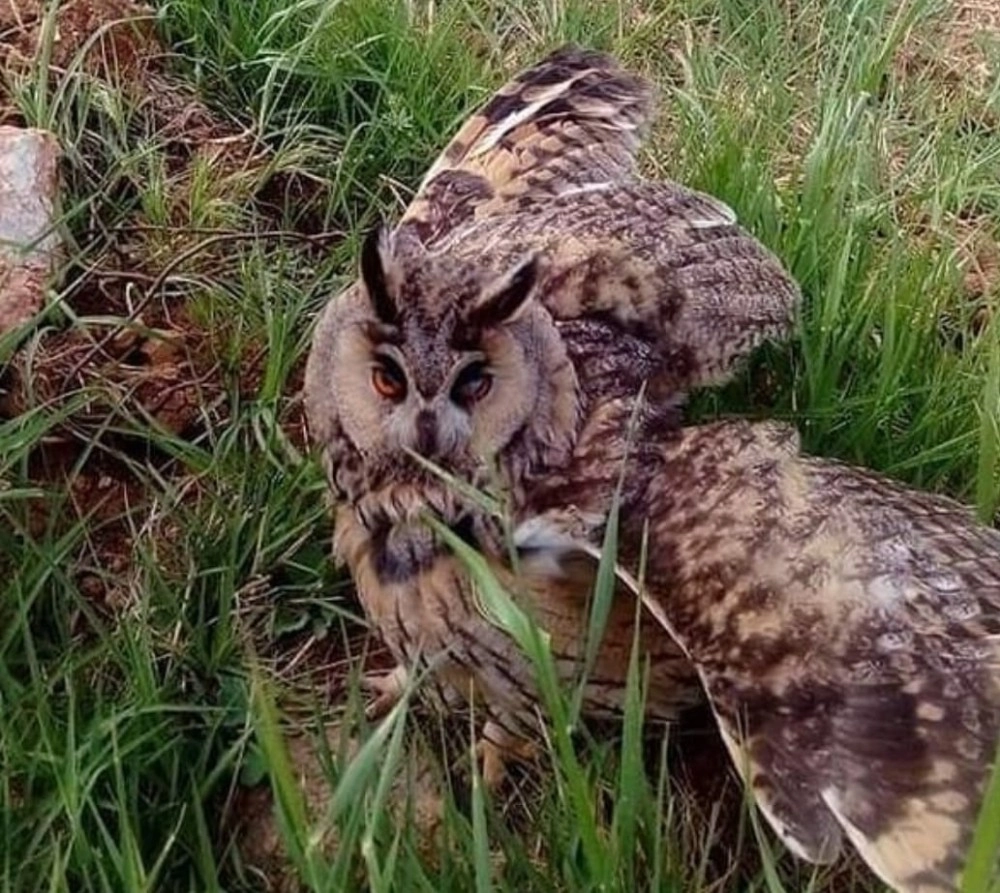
(414,796)
(978,253)
(128,355)
(105,494)
(972,241)
(142,373)
(960,52)
(958,56)
(131,355)
(110,39)
(80,26)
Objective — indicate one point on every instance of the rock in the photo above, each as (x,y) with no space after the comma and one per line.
(28,242)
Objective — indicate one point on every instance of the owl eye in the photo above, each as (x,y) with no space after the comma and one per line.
(388,379)
(473,383)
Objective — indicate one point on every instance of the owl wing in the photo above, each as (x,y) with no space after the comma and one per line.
(547,166)
(573,119)
(671,266)
(847,633)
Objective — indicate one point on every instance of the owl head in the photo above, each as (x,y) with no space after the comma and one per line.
(439,355)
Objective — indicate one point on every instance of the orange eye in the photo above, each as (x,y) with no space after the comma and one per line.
(388,380)
(472,385)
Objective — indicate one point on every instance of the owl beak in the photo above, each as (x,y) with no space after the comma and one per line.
(427,433)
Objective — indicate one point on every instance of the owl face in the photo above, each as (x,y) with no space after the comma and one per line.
(439,356)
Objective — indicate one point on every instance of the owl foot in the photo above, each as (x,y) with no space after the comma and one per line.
(496,748)
(388,689)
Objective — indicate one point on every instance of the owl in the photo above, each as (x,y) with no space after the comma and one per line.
(530,328)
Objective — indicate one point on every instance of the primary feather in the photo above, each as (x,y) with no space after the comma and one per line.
(574,121)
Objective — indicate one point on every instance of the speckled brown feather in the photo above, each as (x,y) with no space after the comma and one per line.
(664,264)
(574,118)
(844,628)
(569,392)
(432,619)
(625,270)
(548,166)
(847,632)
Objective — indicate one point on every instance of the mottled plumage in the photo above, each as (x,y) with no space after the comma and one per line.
(548,166)
(845,629)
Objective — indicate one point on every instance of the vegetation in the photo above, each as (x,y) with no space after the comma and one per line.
(168,613)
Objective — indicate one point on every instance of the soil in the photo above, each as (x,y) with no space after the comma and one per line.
(123,350)
(960,52)
(415,792)
(146,361)
(111,39)
(960,56)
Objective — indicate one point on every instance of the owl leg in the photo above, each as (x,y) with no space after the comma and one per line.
(496,748)
(388,689)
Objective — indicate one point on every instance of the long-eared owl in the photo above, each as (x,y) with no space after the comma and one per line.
(531,326)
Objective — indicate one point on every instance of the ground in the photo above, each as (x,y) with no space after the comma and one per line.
(172,633)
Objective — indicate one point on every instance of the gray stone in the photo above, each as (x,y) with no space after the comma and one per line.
(29,181)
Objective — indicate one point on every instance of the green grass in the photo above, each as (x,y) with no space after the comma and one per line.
(156,648)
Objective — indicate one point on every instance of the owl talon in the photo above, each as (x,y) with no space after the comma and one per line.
(388,689)
(496,748)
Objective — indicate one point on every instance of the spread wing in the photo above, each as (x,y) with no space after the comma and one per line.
(670,266)
(573,118)
(547,166)
(847,632)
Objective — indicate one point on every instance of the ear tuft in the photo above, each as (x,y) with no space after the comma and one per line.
(507,298)
(373,273)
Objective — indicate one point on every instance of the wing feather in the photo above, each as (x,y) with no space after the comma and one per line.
(662,262)
(847,632)
(572,122)
(547,166)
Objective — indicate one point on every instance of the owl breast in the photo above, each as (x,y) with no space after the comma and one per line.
(422,602)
